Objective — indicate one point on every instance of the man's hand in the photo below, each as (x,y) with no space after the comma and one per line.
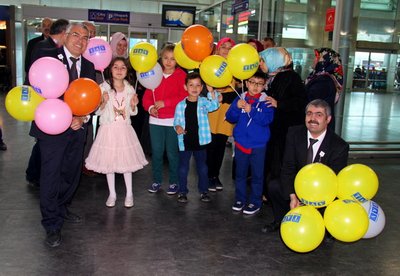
(294,201)
(77,122)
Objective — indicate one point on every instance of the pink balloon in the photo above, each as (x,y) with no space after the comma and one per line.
(53,116)
(99,53)
(151,79)
(49,77)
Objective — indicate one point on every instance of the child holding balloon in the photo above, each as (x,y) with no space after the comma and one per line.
(160,103)
(116,148)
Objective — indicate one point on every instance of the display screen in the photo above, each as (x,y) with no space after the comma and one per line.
(178,16)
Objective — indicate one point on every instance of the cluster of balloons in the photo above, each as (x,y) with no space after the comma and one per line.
(350,213)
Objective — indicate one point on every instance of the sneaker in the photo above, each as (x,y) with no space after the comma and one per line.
(251,209)
(155,187)
(182,198)
(211,185)
(238,206)
(205,197)
(172,189)
(218,185)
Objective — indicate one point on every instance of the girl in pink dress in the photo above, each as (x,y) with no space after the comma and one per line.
(116,148)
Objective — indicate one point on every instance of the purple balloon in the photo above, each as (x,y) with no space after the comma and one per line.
(151,79)
(99,53)
(53,116)
(49,77)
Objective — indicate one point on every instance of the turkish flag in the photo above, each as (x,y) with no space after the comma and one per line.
(330,19)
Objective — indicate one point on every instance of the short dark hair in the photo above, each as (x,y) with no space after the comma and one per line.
(192,76)
(259,75)
(322,104)
(59,26)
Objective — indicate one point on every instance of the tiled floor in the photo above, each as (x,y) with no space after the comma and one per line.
(161,237)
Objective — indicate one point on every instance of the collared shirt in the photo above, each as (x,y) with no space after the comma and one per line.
(317,144)
(78,63)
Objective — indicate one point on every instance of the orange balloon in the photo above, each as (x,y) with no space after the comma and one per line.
(197,42)
(83,96)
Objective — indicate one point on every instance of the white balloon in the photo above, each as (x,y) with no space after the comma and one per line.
(151,79)
(376,218)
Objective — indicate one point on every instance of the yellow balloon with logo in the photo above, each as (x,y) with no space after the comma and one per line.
(22,101)
(346,220)
(243,61)
(214,71)
(303,229)
(143,57)
(182,59)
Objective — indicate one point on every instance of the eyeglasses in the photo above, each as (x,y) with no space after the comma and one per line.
(77,36)
(259,84)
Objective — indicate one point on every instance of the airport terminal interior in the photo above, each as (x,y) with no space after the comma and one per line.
(160,236)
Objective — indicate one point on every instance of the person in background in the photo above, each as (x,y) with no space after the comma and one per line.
(221,129)
(3,145)
(256,44)
(328,149)
(45,29)
(116,148)
(326,80)
(286,93)
(161,103)
(268,42)
(252,116)
(91,27)
(193,129)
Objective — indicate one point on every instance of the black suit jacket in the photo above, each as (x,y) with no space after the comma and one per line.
(333,152)
(87,71)
(29,48)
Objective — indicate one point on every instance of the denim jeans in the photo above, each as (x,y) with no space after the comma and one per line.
(200,157)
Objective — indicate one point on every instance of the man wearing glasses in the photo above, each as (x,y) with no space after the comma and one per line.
(61,155)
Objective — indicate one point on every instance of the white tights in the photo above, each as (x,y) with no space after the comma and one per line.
(111,184)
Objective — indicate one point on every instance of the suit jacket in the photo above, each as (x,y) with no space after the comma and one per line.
(87,71)
(29,49)
(333,152)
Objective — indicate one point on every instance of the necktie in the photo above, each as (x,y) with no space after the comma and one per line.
(74,71)
(310,152)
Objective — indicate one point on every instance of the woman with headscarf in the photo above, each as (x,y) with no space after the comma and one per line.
(286,93)
(326,80)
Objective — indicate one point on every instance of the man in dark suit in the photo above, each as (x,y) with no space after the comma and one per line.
(55,40)
(45,28)
(329,149)
(61,155)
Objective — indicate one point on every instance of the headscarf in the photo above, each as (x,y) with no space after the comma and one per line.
(277,59)
(224,40)
(259,45)
(115,39)
(329,63)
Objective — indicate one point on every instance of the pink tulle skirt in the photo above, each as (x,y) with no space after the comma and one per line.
(116,149)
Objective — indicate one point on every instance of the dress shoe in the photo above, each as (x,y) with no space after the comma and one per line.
(111,201)
(72,218)
(272,227)
(129,201)
(53,238)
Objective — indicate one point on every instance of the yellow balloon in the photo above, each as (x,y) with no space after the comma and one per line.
(302,229)
(21,102)
(143,57)
(214,71)
(182,59)
(243,61)
(346,220)
(358,182)
(316,185)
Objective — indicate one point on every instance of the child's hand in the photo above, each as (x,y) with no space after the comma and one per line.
(247,108)
(134,100)
(241,104)
(220,98)
(179,130)
(271,102)
(106,97)
(159,104)
(154,111)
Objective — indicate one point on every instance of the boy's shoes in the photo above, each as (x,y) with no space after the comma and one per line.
(212,185)
(110,201)
(238,206)
(53,238)
(182,198)
(128,202)
(3,146)
(172,189)
(251,209)
(155,187)
(218,184)
(272,227)
(205,197)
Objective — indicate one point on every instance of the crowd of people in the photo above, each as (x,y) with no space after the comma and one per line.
(271,123)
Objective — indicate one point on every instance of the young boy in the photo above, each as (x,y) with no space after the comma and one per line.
(193,129)
(252,116)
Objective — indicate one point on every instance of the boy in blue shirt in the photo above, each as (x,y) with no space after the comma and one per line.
(193,129)
(252,117)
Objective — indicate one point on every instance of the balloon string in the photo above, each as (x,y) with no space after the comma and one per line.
(102,75)
(235,90)
(248,114)
(136,84)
